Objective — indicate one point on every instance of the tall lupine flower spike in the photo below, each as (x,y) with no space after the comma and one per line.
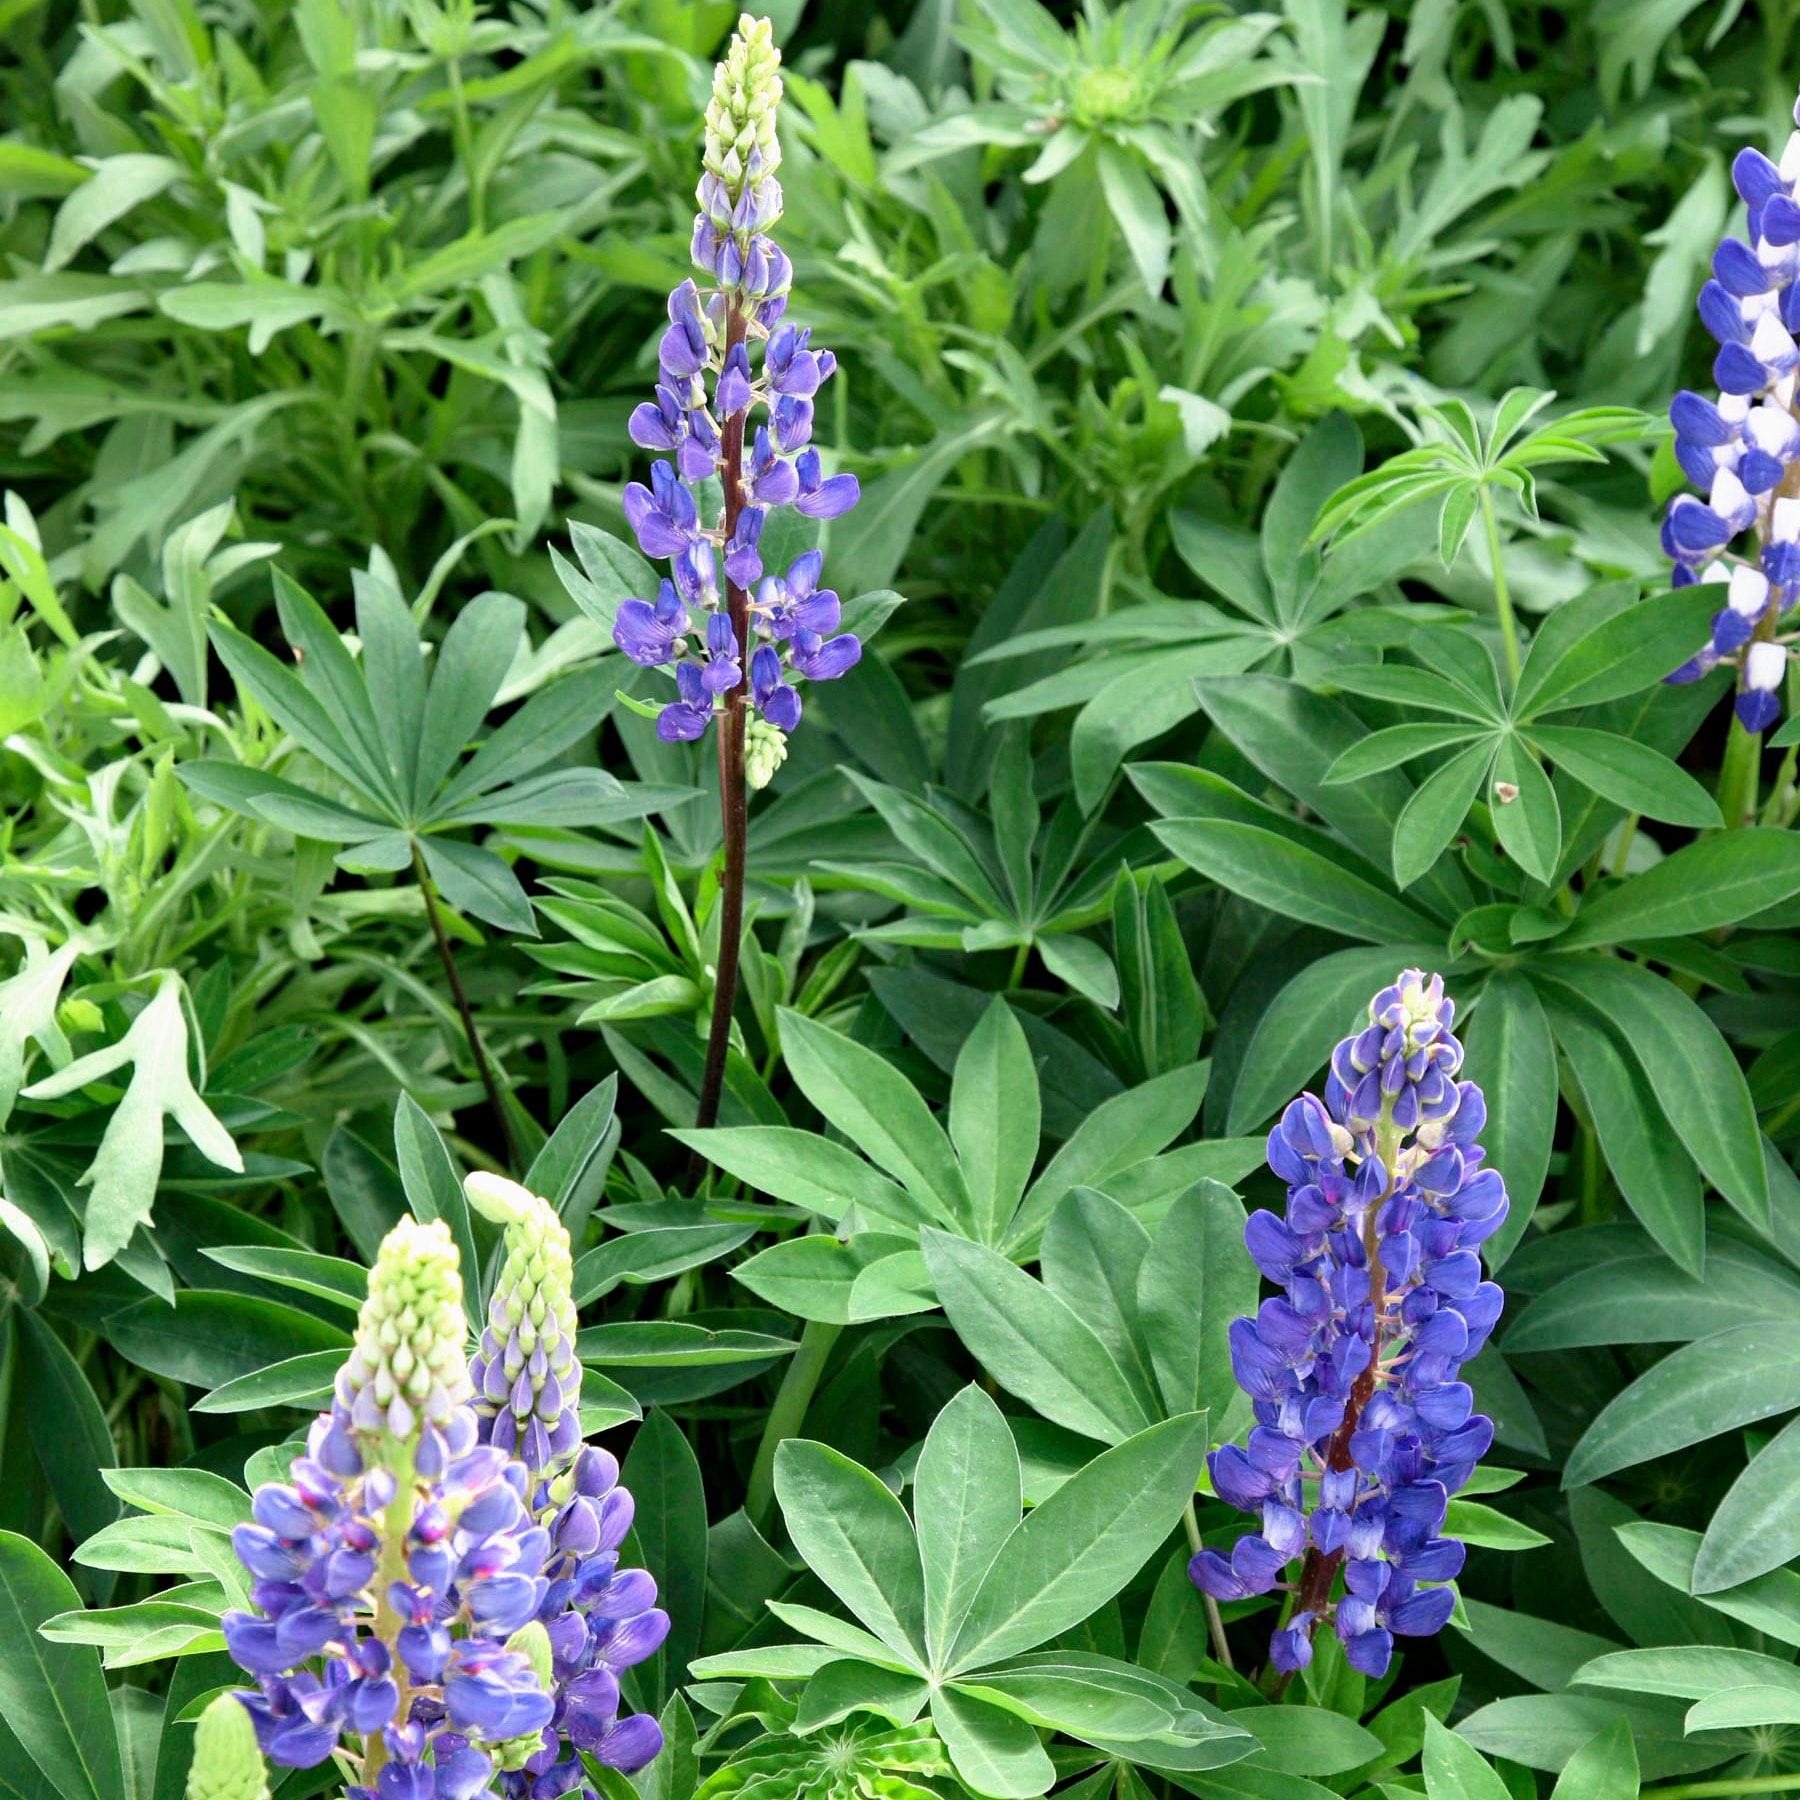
(227,1764)
(1363,1430)
(744,649)
(1742,450)
(527,1381)
(419,1607)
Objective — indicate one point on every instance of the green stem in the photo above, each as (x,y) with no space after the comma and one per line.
(395,1524)
(482,1066)
(787,1415)
(1704,1790)
(1020,958)
(1593,1212)
(1215,1626)
(1509,626)
(1738,775)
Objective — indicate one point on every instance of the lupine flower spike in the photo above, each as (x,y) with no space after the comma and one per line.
(527,1381)
(426,1607)
(1742,450)
(766,629)
(1363,1430)
(227,1764)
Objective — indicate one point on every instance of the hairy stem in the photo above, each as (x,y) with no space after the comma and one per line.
(787,1415)
(734,803)
(1215,1626)
(482,1066)
(1738,775)
(1704,1790)
(1509,626)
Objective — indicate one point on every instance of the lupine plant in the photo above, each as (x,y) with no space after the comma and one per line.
(1738,450)
(436,1611)
(1363,1430)
(782,624)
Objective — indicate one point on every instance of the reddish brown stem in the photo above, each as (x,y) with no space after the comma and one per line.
(733,800)
(1320,1569)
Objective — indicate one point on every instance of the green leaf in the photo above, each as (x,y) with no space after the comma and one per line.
(669,1343)
(1490,1529)
(1704,885)
(208,1338)
(470,665)
(1455,1770)
(1604,1768)
(815,1276)
(1307,1740)
(1121,1132)
(1654,1173)
(857,1539)
(53,1696)
(966,1501)
(1770,1604)
(1075,1551)
(1624,652)
(303,1380)
(1755,1528)
(995,1753)
(1091,1256)
(1733,1378)
(1194,1280)
(138,1724)
(1529,823)
(641,1257)
(1645,1300)
(343,1283)
(434,1191)
(1511,1058)
(1327,1000)
(668,1537)
(195,1494)
(878,1109)
(1629,774)
(1033,1343)
(994,1117)
(1696,1079)
(1383,750)
(68,1427)
(1434,815)
(118,184)
(1289,879)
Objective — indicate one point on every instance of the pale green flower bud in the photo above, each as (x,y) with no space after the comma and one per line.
(740,120)
(527,1381)
(765,750)
(227,1764)
(409,1363)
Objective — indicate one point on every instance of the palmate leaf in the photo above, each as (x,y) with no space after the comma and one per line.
(401,757)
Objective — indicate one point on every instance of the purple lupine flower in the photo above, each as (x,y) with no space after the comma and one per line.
(823,497)
(503,1583)
(662,515)
(649,634)
(1739,449)
(711,340)
(1363,1429)
(685,720)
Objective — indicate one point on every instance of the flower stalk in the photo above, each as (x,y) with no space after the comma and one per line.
(769,633)
(1363,1430)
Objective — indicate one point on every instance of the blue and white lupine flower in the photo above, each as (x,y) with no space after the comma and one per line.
(711,333)
(1743,449)
(422,1603)
(1363,1430)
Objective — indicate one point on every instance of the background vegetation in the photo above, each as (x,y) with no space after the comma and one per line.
(327,317)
